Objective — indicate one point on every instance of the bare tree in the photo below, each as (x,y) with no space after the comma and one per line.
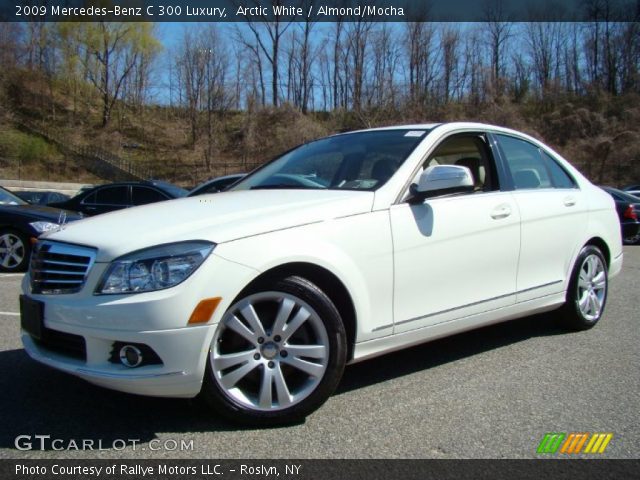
(192,63)
(449,42)
(268,35)
(422,59)
(358,40)
(386,58)
(498,30)
(215,95)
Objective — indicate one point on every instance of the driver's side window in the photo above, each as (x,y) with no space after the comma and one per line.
(467,150)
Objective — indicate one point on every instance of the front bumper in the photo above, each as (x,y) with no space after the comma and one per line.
(158,320)
(177,377)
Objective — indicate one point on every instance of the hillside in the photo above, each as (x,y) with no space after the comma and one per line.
(599,133)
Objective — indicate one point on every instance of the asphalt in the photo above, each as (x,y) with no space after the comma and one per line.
(491,393)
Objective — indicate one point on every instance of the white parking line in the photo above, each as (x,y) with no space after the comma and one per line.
(9,275)
(10,314)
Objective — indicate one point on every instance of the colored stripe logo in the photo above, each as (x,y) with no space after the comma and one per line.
(551,442)
(574,443)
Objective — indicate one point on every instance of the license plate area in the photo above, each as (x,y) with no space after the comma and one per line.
(32,316)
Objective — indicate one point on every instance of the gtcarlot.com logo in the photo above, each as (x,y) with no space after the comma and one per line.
(47,442)
(574,443)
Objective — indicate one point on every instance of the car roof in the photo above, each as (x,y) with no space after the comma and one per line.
(445,126)
(164,186)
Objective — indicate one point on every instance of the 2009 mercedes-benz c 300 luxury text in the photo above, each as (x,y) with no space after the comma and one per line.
(339,250)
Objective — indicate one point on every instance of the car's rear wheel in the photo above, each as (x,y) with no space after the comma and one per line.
(587,293)
(277,355)
(14,251)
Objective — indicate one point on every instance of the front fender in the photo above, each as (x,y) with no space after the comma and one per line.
(356,249)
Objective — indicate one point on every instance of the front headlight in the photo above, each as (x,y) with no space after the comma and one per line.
(154,268)
(42,227)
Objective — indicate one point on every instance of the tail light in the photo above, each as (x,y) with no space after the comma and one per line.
(630,213)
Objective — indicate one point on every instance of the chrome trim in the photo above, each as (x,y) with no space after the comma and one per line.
(402,322)
(539,286)
(39,285)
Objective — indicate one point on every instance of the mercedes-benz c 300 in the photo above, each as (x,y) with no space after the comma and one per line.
(342,249)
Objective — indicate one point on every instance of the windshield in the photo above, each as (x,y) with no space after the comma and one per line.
(354,161)
(8,198)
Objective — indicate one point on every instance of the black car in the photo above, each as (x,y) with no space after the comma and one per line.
(116,196)
(628,207)
(20,224)
(216,185)
(35,197)
(633,190)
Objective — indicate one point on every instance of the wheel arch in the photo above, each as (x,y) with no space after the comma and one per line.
(602,245)
(325,280)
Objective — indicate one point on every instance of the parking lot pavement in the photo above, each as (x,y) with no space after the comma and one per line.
(491,393)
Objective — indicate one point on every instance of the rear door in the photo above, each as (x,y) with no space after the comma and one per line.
(553,212)
(456,255)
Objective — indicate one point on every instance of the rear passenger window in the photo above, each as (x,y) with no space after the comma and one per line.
(144,195)
(561,179)
(112,196)
(525,163)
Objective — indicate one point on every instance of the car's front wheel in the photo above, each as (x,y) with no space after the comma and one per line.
(14,251)
(277,354)
(587,293)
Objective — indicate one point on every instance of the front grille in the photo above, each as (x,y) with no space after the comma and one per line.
(63,343)
(59,267)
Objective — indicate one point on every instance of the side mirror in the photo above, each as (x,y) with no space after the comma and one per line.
(441,180)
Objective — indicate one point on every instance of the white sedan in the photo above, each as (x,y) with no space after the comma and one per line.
(342,249)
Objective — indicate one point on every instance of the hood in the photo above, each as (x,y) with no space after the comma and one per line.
(219,218)
(39,212)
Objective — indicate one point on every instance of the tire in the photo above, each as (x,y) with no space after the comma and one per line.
(631,240)
(15,251)
(588,288)
(277,355)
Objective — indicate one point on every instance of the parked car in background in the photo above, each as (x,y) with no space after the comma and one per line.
(20,224)
(633,190)
(35,197)
(116,196)
(342,249)
(215,185)
(628,207)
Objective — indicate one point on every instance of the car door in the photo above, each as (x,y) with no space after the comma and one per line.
(456,255)
(553,215)
(106,199)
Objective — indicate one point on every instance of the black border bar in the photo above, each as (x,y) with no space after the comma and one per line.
(320,10)
(168,469)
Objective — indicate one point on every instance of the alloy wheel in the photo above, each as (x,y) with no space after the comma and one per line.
(592,287)
(12,251)
(270,351)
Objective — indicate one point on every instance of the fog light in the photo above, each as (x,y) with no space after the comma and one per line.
(130,356)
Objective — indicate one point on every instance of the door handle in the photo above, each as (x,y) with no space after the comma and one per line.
(569,201)
(501,211)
